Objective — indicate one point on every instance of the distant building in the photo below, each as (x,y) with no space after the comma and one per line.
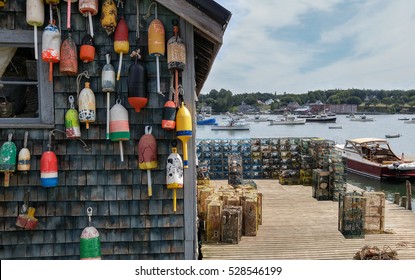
(343,108)
(269,102)
(246,109)
(293,106)
(206,110)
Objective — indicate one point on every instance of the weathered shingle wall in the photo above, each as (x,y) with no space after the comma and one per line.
(131,225)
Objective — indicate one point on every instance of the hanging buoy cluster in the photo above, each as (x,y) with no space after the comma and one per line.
(175,115)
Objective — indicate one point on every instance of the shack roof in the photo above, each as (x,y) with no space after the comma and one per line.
(210,21)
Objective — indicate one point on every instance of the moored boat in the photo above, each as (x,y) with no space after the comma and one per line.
(361,118)
(287,120)
(203,120)
(393,135)
(232,125)
(322,118)
(374,158)
(410,121)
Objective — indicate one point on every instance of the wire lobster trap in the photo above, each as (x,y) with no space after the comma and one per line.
(235,170)
(351,221)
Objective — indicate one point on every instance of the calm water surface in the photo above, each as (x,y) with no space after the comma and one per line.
(382,125)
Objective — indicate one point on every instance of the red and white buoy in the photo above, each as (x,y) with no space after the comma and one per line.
(89,8)
(119,127)
(51,44)
(49,167)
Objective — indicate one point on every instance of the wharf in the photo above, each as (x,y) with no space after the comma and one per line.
(296,226)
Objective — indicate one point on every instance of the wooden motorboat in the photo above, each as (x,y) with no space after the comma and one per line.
(374,158)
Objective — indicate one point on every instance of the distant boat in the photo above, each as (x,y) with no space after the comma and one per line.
(287,120)
(232,125)
(403,119)
(395,135)
(362,118)
(202,120)
(335,127)
(257,118)
(410,121)
(322,118)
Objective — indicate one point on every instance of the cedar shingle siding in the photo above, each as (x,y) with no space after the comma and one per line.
(131,225)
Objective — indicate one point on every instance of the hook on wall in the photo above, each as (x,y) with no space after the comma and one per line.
(85,147)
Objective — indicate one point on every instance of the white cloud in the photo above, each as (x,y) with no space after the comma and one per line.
(254,58)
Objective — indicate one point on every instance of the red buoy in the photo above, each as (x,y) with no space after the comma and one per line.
(69,57)
(49,169)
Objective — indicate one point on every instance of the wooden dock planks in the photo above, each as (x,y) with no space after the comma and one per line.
(297,226)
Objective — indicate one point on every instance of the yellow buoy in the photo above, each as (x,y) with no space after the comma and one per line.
(184,130)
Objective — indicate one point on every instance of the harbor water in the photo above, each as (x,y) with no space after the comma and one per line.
(381,126)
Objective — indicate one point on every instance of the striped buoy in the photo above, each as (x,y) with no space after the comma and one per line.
(23,159)
(168,120)
(49,169)
(90,243)
(119,127)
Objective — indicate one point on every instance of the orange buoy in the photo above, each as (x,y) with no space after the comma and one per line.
(69,59)
(87,51)
(137,84)
(156,42)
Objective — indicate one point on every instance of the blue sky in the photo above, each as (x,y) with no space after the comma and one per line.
(295,46)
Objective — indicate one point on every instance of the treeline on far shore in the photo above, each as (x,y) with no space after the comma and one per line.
(367,100)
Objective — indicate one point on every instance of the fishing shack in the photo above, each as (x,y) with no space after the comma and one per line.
(81,84)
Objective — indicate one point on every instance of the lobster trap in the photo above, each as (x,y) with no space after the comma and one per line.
(351,221)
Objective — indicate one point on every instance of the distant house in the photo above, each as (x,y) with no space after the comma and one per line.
(293,106)
(269,102)
(246,109)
